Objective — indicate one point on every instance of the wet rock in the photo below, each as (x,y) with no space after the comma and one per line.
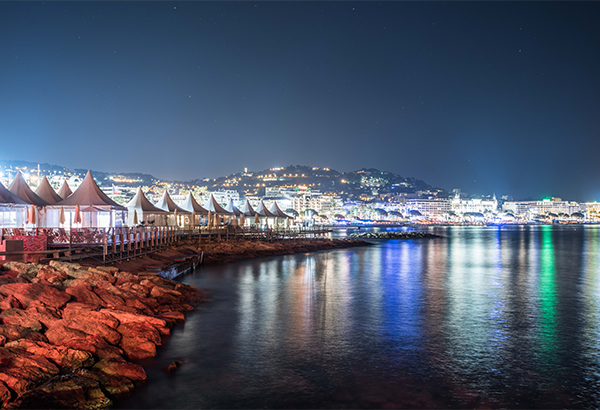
(140,306)
(119,367)
(169,295)
(21,370)
(178,316)
(69,391)
(26,293)
(173,366)
(116,386)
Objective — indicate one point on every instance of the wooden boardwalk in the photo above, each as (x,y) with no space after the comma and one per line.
(117,244)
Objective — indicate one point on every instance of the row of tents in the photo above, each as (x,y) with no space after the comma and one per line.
(89,206)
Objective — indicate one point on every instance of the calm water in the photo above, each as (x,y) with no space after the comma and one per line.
(482,317)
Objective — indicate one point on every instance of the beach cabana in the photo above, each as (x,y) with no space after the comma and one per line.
(12,209)
(276,210)
(20,188)
(141,208)
(248,212)
(264,212)
(64,192)
(47,193)
(191,205)
(174,211)
(213,206)
(100,211)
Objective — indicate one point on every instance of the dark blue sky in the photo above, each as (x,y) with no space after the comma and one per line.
(482,96)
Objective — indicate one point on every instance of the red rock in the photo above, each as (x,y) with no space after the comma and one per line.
(10,302)
(150,302)
(93,278)
(173,366)
(109,298)
(27,293)
(127,317)
(95,345)
(21,318)
(16,380)
(90,316)
(61,355)
(60,334)
(81,294)
(5,394)
(166,294)
(35,366)
(137,349)
(2,340)
(141,331)
(140,306)
(94,328)
(110,277)
(80,306)
(173,315)
(15,332)
(119,367)
(135,288)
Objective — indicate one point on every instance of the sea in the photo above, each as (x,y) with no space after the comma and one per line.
(503,316)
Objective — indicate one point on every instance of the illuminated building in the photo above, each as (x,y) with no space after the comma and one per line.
(430,208)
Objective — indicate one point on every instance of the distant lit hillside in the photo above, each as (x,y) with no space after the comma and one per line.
(352,185)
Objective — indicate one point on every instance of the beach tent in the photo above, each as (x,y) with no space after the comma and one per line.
(232,208)
(20,188)
(12,209)
(47,193)
(213,206)
(276,210)
(191,205)
(247,209)
(175,212)
(64,192)
(263,211)
(144,210)
(100,210)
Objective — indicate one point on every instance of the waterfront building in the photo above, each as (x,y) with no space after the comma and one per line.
(223,196)
(531,209)
(462,206)
(437,208)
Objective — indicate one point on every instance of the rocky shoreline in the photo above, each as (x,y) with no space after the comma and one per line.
(392,235)
(68,332)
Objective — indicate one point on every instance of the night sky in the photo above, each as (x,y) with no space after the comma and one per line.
(482,96)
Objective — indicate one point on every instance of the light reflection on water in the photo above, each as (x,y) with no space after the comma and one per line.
(484,316)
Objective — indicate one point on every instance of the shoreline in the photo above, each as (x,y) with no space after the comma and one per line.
(70,333)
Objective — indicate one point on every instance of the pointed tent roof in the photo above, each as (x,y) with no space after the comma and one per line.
(140,203)
(64,192)
(231,208)
(7,197)
(247,209)
(213,206)
(20,188)
(275,210)
(191,205)
(47,193)
(167,204)
(90,194)
(262,210)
